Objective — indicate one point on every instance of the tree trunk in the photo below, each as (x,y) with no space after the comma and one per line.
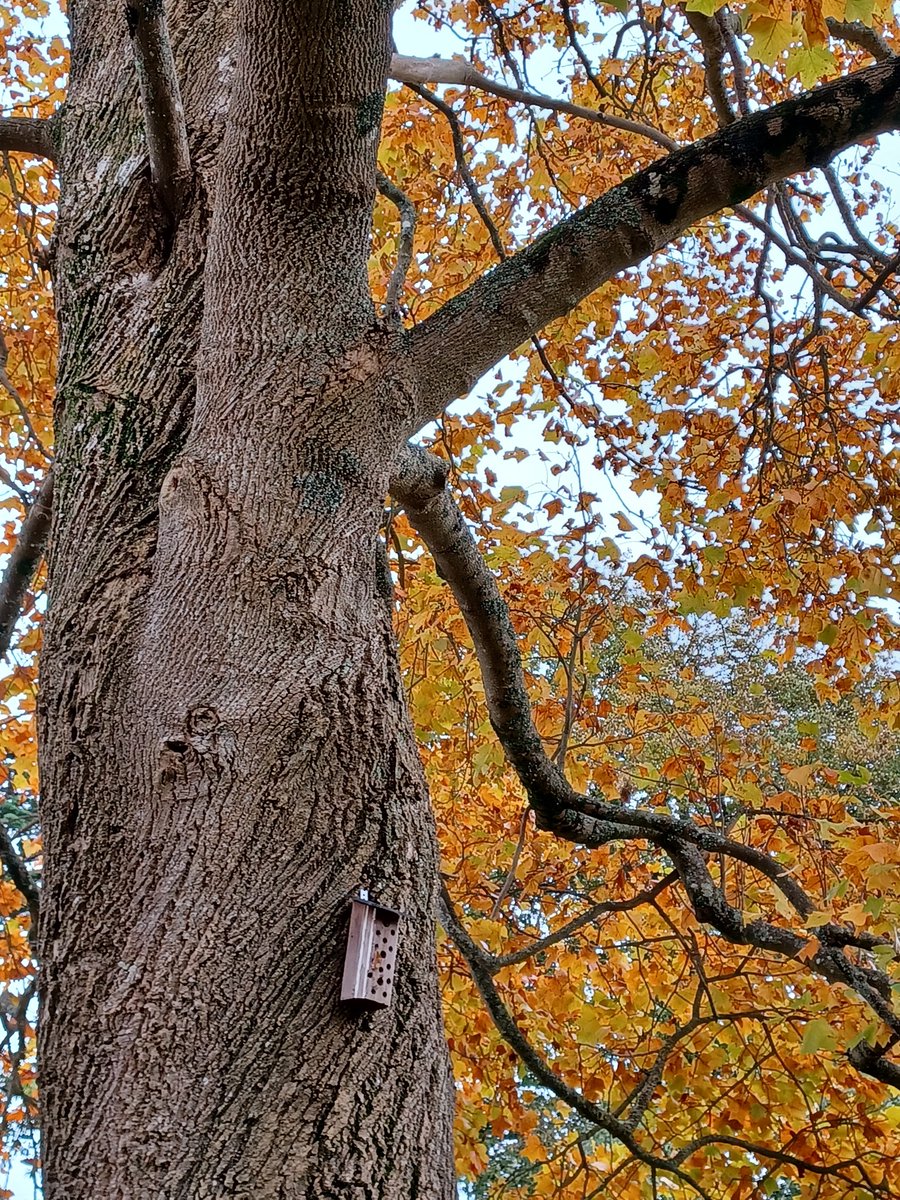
(226,750)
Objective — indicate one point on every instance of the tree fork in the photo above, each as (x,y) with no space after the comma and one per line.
(239,759)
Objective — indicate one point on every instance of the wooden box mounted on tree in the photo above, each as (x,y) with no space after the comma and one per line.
(371,955)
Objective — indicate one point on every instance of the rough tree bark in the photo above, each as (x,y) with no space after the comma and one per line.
(225,749)
(226,752)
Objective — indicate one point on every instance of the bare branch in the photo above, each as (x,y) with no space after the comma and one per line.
(7,384)
(24,881)
(457,71)
(868,247)
(511,873)
(729,27)
(29,135)
(419,483)
(453,348)
(858,34)
(167,144)
(23,562)
(459,153)
(709,33)
(407,212)
(820,283)
(580,54)
(872,291)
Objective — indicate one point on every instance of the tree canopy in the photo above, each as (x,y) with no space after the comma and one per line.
(644,577)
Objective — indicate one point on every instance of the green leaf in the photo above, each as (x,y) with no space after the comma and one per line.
(816,920)
(867,1035)
(770,38)
(818,1035)
(810,63)
(860,10)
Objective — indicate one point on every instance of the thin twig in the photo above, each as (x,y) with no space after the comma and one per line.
(600,909)
(871,292)
(511,874)
(13,391)
(459,153)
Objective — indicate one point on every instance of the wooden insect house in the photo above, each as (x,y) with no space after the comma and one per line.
(371,957)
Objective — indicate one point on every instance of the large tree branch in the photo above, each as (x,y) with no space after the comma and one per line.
(419,483)
(167,144)
(29,135)
(20,569)
(453,348)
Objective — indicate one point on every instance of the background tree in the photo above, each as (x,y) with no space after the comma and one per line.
(693,949)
